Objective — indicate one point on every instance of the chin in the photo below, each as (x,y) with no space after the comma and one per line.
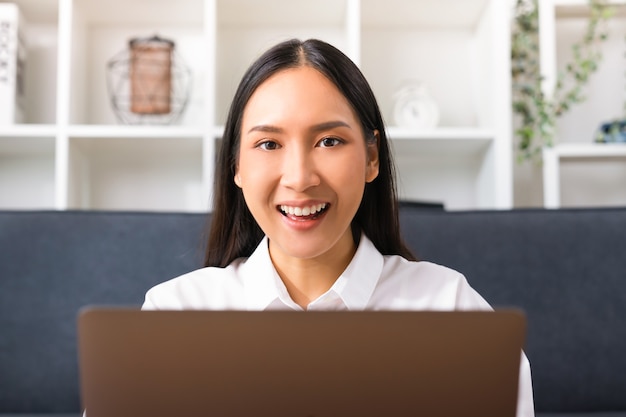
(303,250)
(310,246)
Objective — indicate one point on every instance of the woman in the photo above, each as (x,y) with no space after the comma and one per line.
(306,214)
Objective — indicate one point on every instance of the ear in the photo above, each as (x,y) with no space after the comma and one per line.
(237,178)
(373,163)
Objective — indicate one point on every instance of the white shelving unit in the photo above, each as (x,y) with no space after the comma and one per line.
(73,154)
(575,152)
(576,171)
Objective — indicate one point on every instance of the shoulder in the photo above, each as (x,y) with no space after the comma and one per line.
(427,285)
(420,271)
(206,288)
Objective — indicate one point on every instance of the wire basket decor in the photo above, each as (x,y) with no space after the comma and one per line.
(148,82)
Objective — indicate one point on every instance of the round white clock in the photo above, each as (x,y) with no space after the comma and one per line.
(414,107)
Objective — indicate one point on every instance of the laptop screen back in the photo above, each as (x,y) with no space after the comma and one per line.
(295,364)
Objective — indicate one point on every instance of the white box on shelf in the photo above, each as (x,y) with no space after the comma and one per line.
(12,64)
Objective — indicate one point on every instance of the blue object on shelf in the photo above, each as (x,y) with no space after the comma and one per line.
(612,132)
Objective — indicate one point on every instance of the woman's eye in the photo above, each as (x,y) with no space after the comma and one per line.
(268,145)
(329,142)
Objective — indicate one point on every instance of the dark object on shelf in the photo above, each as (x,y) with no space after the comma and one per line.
(612,132)
(421,204)
(148,82)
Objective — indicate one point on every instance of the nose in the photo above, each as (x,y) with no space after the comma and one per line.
(299,171)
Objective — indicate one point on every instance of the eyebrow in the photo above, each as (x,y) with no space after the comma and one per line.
(320,127)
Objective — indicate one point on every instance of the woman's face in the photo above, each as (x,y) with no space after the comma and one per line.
(303,164)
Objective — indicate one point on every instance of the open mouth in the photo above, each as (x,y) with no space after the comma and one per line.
(304,213)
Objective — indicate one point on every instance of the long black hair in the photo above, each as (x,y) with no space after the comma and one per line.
(233,231)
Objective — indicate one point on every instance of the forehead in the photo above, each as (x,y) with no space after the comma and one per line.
(297,95)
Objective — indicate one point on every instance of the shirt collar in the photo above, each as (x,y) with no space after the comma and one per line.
(357,283)
(264,289)
(260,279)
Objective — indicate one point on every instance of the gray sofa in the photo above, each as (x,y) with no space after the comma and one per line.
(565,268)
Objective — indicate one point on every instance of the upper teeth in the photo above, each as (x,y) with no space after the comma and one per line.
(303,211)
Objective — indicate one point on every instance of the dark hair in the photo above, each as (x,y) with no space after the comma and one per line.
(234,232)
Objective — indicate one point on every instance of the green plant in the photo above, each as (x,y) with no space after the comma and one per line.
(537,113)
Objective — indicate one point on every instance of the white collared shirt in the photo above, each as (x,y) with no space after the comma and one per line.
(371,281)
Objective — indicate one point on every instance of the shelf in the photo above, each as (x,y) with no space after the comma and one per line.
(23,145)
(408,36)
(39,11)
(595,157)
(450,133)
(28,131)
(413,55)
(27,170)
(302,13)
(121,131)
(141,12)
(424,14)
(589,150)
(464,143)
(140,147)
(451,166)
(604,98)
(218,132)
(100,33)
(72,152)
(577,172)
(136,173)
(456,179)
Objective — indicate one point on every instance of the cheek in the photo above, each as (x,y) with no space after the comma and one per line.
(255,177)
(248,166)
(349,176)
(359,167)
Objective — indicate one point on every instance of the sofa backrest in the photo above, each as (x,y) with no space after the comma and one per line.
(54,263)
(565,268)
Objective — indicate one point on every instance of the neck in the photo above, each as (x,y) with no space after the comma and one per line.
(308,278)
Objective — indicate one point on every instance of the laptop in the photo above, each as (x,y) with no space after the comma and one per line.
(299,364)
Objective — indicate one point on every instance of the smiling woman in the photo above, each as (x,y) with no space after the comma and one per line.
(296,94)
(303,147)
(306,214)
